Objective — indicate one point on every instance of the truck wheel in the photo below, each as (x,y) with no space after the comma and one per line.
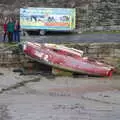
(42,32)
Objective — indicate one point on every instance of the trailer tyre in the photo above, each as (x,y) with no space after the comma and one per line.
(42,32)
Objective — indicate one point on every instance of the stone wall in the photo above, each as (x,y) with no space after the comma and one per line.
(9,59)
(91,15)
(108,53)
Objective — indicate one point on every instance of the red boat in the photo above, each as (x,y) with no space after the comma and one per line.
(65,58)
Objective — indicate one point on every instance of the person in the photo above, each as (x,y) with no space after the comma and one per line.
(10,29)
(5,29)
(17,31)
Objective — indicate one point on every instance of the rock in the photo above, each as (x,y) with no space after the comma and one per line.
(1,73)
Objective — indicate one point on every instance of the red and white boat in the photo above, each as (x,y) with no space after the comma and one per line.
(65,58)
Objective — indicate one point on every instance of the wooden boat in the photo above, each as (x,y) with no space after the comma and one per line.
(66,58)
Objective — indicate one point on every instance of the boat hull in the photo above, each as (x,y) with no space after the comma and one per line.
(66,59)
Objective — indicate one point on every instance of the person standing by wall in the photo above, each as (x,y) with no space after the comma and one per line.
(10,29)
(17,31)
(5,29)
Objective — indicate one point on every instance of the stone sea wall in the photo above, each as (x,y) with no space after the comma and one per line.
(91,15)
(106,52)
(9,59)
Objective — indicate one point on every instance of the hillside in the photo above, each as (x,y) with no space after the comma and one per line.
(91,14)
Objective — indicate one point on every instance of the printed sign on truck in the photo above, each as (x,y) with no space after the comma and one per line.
(47,18)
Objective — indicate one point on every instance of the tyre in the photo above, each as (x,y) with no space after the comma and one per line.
(42,32)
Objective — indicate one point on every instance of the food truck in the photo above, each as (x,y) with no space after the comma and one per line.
(47,19)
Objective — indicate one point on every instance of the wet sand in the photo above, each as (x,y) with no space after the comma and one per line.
(59,98)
